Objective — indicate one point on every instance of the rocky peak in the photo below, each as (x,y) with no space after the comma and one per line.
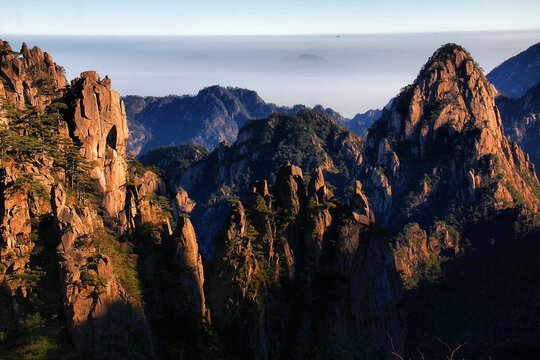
(29,77)
(186,254)
(317,188)
(360,205)
(289,188)
(448,113)
(450,94)
(259,188)
(100,125)
(438,155)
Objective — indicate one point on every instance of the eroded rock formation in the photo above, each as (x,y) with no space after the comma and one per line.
(65,182)
(30,77)
(303,276)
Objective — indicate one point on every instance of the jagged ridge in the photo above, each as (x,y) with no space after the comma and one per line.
(298,274)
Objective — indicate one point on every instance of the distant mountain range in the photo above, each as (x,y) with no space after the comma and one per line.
(214,115)
(518,80)
(306,58)
(521,120)
(518,74)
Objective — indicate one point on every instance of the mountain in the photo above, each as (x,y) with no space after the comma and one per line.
(99,258)
(361,123)
(239,254)
(174,160)
(443,179)
(73,211)
(306,58)
(518,74)
(309,138)
(521,120)
(438,159)
(444,127)
(214,115)
(331,113)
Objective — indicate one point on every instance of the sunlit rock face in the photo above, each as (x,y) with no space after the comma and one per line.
(437,165)
(443,133)
(101,127)
(31,78)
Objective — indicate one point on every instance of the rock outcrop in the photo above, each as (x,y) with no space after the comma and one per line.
(100,125)
(129,194)
(302,276)
(29,77)
(290,190)
(185,253)
(29,81)
(72,201)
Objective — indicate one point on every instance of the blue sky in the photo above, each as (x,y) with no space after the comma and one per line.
(254,17)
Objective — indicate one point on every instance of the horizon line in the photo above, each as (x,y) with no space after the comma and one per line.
(336,34)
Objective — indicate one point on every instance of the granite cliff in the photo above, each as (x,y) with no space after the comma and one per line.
(441,145)
(72,207)
(455,193)
(298,274)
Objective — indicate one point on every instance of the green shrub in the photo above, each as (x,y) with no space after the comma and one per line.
(34,337)
(90,278)
(123,260)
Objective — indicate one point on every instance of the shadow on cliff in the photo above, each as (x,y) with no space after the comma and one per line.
(119,333)
(178,332)
(32,322)
(489,301)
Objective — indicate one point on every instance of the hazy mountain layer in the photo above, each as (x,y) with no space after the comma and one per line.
(361,123)
(518,74)
(521,120)
(214,115)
